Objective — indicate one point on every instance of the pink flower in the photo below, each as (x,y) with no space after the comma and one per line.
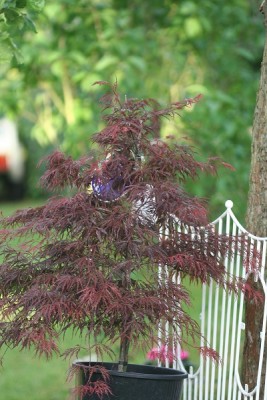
(162,354)
(153,354)
(184,355)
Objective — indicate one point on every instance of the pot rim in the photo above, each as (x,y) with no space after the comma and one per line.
(156,372)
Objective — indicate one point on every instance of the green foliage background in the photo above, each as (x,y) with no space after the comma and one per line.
(164,49)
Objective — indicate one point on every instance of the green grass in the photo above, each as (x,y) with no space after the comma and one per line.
(9,208)
(25,377)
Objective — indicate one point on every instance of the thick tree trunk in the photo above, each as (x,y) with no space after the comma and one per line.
(257,219)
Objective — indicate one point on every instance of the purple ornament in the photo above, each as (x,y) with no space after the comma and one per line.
(108,190)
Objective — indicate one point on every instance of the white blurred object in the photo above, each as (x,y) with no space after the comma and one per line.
(11,150)
(12,162)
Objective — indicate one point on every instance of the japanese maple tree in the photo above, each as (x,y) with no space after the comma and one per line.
(89,261)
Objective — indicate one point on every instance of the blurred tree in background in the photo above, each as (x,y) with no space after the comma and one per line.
(166,49)
(16,18)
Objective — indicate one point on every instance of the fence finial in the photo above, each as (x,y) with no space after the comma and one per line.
(229,204)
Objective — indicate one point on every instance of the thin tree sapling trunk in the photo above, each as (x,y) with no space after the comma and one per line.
(125,334)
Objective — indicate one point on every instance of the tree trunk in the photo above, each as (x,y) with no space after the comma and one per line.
(126,331)
(257,221)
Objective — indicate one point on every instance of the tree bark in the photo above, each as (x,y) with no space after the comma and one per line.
(126,331)
(256,221)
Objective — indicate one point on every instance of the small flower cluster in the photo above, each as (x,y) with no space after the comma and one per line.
(163,353)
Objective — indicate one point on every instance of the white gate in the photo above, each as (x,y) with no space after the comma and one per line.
(221,321)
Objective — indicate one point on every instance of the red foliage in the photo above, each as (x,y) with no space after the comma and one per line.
(85,263)
(98,388)
(207,352)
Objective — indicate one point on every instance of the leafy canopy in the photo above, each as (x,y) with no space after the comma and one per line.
(16,18)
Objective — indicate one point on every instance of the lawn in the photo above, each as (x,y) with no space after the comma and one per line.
(24,377)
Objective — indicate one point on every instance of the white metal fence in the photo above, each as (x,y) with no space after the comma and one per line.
(221,321)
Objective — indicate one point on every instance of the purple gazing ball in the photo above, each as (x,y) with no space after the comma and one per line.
(110,190)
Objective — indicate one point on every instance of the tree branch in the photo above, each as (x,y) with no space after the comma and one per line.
(263,10)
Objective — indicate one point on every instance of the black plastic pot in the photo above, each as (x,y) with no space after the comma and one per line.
(139,382)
